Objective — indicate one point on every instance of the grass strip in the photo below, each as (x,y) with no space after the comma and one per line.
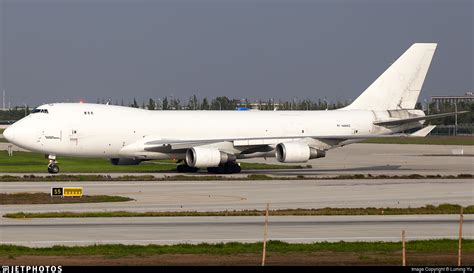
(27,162)
(199,177)
(429,209)
(429,140)
(45,198)
(443,245)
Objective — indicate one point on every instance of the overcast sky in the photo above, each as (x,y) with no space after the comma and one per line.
(68,50)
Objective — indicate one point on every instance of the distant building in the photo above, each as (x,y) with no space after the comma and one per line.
(439,100)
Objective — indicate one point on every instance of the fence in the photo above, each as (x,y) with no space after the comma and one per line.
(449,130)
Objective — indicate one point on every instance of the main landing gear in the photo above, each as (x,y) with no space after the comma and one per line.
(225,168)
(53,164)
(184,168)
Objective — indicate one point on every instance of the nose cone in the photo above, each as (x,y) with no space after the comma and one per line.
(8,134)
(21,134)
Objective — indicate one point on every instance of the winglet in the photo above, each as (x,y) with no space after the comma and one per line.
(423,131)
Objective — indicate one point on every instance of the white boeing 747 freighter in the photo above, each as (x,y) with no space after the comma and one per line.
(216,140)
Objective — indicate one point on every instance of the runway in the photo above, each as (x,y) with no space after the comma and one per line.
(375,159)
(386,159)
(239,195)
(173,230)
(361,158)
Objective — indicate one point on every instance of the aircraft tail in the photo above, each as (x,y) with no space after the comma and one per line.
(400,85)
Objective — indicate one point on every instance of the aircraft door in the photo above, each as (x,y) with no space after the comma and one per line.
(73,137)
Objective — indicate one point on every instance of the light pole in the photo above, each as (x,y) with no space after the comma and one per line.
(427,106)
(455,119)
(294,103)
(160,104)
(326,103)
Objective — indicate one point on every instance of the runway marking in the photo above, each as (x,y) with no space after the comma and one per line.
(242,239)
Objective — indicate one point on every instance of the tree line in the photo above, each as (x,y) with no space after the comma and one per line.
(226,103)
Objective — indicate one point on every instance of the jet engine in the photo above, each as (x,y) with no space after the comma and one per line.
(125,161)
(294,152)
(202,157)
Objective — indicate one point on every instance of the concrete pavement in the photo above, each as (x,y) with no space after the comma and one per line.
(238,195)
(173,230)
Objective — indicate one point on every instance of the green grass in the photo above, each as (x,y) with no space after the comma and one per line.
(45,198)
(429,209)
(430,140)
(236,248)
(25,162)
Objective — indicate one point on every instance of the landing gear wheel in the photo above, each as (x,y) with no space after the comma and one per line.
(53,168)
(53,164)
(226,168)
(183,168)
(235,168)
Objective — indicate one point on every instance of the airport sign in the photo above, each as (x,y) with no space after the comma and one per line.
(67,191)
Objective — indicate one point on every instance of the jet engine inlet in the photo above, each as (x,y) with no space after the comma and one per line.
(294,152)
(203,157)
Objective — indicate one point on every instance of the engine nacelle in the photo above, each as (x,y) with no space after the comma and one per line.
(294,152)
(125,161)
(203,157)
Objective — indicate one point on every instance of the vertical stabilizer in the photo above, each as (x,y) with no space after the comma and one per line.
(400,85)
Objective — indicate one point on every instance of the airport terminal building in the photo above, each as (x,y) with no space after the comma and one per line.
(439,100)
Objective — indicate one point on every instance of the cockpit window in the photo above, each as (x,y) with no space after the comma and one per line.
(37,110)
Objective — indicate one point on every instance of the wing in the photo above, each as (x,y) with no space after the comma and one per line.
(151,144)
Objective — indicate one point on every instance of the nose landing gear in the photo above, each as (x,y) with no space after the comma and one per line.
(53,164)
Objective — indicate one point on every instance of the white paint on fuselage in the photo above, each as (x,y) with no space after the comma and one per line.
(96,130)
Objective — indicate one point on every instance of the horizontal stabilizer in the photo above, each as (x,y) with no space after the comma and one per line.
(408,120)
(423,131)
